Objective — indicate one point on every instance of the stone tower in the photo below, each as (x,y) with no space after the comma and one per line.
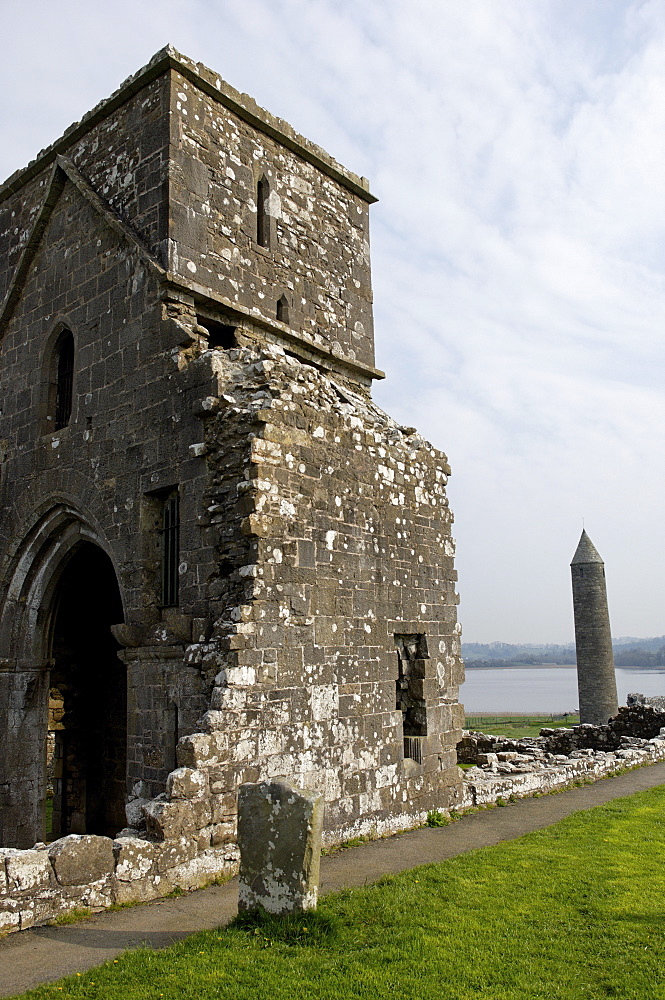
(596,681)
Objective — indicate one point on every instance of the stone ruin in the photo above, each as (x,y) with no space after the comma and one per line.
(502,768)
(220,561)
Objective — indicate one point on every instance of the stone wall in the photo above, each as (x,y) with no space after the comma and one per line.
(95,480)
(332,535)
(124,155)
(197,820)
(90,872)
(558,758)
(317,229)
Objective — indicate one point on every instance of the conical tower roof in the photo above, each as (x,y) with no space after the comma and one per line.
(586,551)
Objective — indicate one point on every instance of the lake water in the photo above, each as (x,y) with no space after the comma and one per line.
(543,690)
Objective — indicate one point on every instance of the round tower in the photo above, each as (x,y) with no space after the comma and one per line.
(596,681)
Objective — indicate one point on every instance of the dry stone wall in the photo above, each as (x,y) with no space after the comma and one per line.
(504,768)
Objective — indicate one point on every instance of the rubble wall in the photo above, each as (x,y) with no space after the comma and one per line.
(89,872)
(509,768)
(38,885)
(332,533)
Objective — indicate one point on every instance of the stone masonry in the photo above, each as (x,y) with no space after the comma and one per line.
(78,871)
(219,559)
(596,680)
(505,769)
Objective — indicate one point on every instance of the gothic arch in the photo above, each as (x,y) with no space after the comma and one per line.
(41,558)
(63,595)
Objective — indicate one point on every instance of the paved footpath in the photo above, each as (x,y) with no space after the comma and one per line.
(47,953)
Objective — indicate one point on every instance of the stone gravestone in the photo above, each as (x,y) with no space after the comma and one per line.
(279,835)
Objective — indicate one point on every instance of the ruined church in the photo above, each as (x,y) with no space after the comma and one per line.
(220,561)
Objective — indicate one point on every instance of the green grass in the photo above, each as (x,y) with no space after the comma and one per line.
(72,916)
(519,726)
(571,912)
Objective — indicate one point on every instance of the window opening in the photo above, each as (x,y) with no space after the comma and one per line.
(283,310)
(64,384)
(410,700)
(262,227)
(221,335)
(170,532)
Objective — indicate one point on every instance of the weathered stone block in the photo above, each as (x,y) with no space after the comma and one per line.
(10,916)
(186,783)
(173,853)
(134,858)
(223,833)
(98,895)
(81,859)
(202,868)
(28,870)
(168,820)
(279,835)
(195,750)
(224,807)
(141,891)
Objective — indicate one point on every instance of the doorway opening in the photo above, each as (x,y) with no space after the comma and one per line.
(87,714)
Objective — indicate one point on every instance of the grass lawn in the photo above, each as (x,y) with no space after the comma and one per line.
(574,911)
(516,728)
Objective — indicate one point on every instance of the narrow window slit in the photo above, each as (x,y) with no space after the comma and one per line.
(283,310)
(262,226)
(170,532)
(64,385)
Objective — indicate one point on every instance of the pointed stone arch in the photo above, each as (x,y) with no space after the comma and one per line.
(63,559)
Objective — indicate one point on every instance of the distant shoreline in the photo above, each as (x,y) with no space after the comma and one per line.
(471,665)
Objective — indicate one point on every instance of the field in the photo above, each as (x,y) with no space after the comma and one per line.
(517,726)
(571,912)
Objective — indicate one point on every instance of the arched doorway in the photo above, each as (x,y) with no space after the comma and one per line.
(88,699)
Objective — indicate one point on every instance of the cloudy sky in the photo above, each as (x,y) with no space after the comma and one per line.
(518,151)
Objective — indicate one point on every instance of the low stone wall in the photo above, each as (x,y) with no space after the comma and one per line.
(558,758)
(484,785)
(78,871)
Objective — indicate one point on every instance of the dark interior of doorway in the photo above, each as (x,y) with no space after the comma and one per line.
(88,700)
